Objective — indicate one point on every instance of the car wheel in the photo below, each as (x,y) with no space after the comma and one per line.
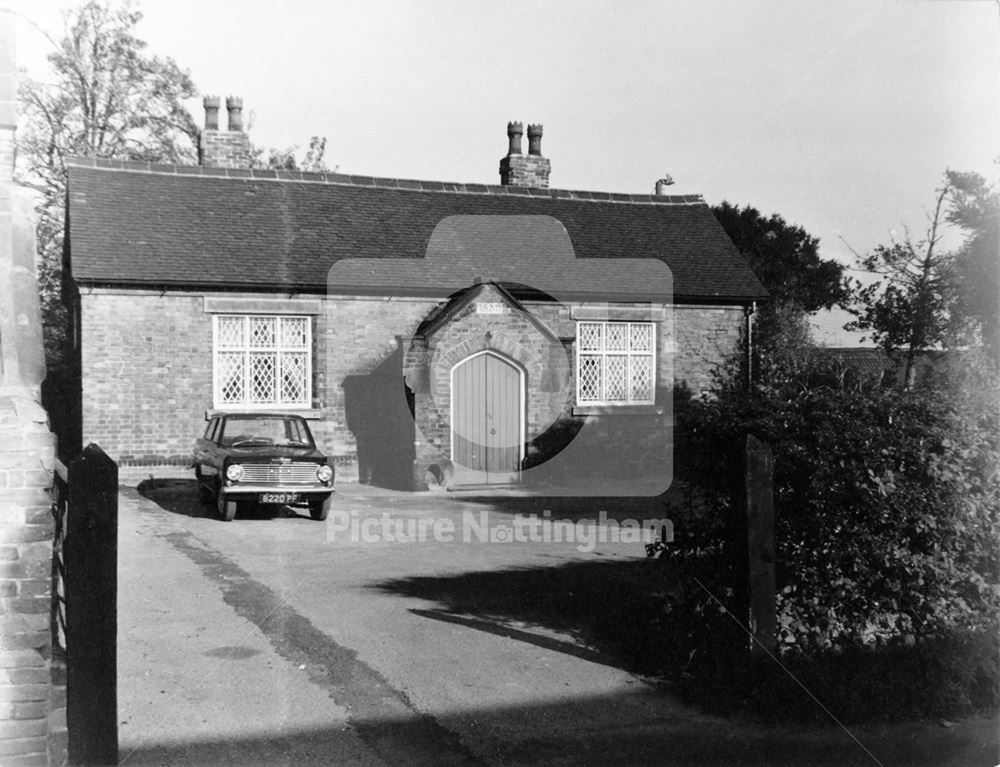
(226,507)
(319,510)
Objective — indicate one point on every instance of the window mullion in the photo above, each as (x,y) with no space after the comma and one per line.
(276,395)
(628,373)
(276,385)
(629,367)
(600,363)
(579,358)
(279,364)
(247,375)
(600,375)
(216,364)
(307,368)
(604,373)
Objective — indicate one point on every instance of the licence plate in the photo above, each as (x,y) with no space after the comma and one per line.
(278,497)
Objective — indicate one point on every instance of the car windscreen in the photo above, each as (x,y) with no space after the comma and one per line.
(280,432)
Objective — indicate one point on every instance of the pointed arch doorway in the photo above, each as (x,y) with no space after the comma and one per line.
(487,419)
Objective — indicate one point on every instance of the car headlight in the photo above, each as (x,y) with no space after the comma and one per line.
(234,472)
(324,473)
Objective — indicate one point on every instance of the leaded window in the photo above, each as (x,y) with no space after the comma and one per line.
(615,363)
(262,361)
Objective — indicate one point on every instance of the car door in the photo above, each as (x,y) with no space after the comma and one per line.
(204,449)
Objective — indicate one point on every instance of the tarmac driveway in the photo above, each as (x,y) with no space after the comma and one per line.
(275,639)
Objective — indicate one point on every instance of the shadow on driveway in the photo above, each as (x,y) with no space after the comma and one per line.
(599,738)
(572,509)
(180,496)
(598,603)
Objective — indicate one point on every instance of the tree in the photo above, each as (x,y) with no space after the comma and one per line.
(285,159)
(786,260)
(975,272)
(107,98)
(907,307)
(784,257)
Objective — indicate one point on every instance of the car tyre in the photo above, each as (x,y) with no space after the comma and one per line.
(226,507)
(319,510)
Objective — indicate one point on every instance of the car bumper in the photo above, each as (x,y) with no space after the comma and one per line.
(306,492)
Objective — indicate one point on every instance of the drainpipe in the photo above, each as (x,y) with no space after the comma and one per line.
(748,313)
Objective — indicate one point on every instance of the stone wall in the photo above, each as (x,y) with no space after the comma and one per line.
(707,339)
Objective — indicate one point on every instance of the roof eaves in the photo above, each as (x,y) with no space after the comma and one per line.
(389,290)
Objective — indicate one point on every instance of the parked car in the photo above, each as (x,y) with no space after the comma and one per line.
(264,459)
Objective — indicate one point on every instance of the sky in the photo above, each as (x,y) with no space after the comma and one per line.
(840,116)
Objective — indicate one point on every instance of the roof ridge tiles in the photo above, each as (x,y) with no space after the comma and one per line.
(409,185)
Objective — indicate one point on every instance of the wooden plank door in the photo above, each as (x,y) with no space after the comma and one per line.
(503,420)
(486,421)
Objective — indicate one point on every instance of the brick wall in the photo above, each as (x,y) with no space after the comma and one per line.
(146,362)
(357,337)
(146,369)
(27,456)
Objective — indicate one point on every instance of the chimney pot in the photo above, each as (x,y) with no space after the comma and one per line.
(535,140)
(211,112)
(663,183)
(514,133)
(234,105)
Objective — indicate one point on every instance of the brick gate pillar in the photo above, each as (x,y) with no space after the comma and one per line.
(29,710)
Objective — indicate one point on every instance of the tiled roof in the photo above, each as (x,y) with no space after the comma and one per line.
(165,225)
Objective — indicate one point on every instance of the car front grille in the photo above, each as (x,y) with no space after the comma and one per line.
(280,473)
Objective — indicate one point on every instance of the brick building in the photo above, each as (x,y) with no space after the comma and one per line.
(433,332)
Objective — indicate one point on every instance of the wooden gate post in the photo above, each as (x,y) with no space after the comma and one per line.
(757,502)
(91,587)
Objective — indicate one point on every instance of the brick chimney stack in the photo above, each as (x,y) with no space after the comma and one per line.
(224,149)
(531,170)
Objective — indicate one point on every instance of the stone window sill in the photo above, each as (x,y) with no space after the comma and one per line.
(310,414)
(618,410)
